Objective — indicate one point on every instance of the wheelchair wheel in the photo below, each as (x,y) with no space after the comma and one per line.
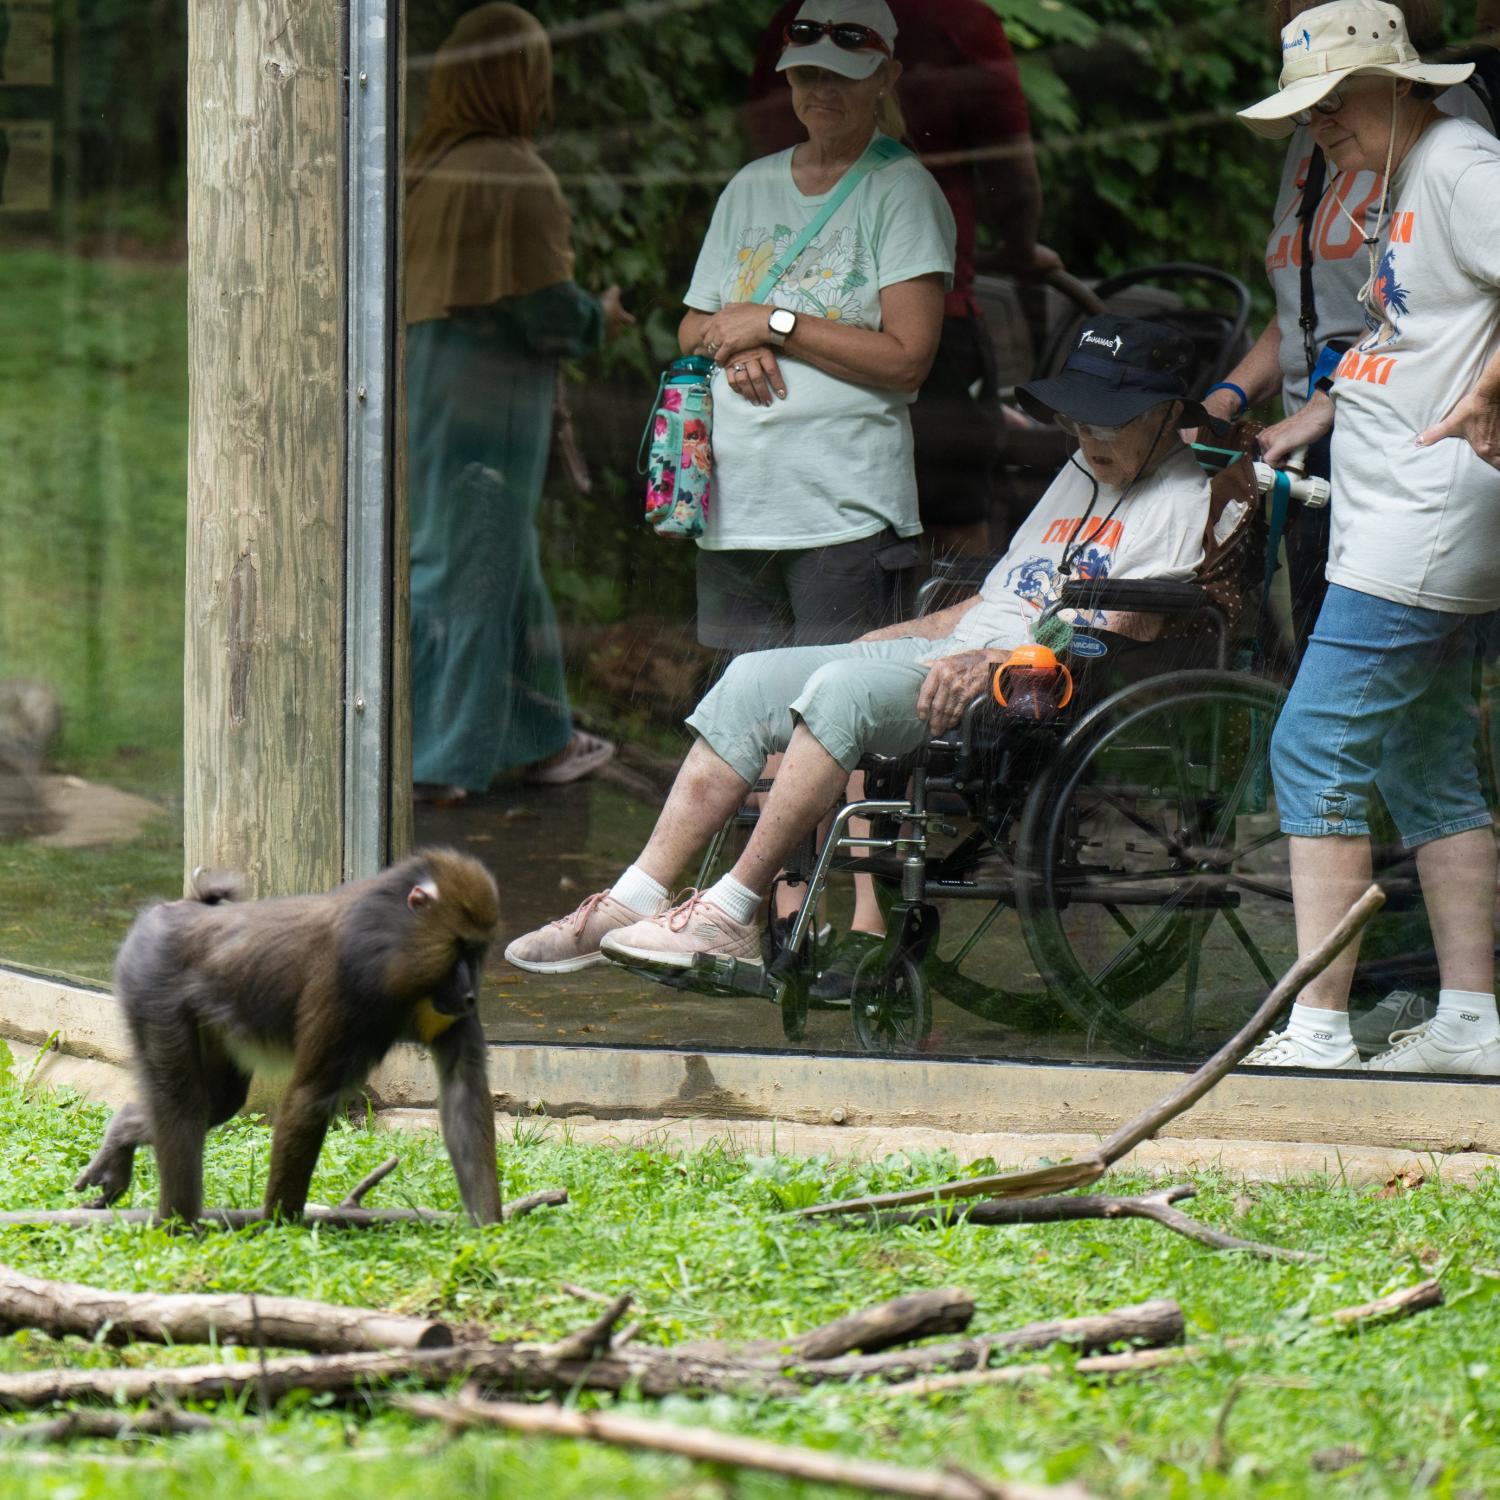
(888,1005)
(1154,891)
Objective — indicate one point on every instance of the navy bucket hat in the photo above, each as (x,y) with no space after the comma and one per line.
(1119,368)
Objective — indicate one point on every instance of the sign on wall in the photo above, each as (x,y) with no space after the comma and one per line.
(25,166)
(25,43)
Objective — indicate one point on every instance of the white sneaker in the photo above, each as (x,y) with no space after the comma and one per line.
(676,937)
(572,942)
(1283,1050)
(1416,1051)
(1401,1010)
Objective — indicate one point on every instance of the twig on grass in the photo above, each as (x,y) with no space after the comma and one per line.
(1090,1168)
(357,1192)
(1412,1299)
(125,1426)
(585,1294)
(1155,1206)
(244,1218)
(707,1446)
(592,1340)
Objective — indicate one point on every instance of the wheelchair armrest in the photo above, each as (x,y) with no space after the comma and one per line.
(955,573)
(1148,595)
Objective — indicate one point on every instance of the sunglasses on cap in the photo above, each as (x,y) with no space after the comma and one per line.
(849,35)
(1330,104)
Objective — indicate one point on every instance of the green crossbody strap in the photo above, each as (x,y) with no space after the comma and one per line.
(881,152)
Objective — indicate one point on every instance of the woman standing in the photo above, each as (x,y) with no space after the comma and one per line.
(814,484)
(1315,263)
(1382,699)
(491,307)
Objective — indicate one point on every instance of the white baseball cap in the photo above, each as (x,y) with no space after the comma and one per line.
(1329,43)
(826,53)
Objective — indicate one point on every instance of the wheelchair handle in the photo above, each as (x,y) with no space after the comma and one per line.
(1312,491)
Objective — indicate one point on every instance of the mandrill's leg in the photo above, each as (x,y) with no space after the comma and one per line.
(114,1162)
(301,1124)
(466,1109)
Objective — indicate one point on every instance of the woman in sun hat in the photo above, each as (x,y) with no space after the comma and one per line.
(814,484)
(1382,698)
(1315,263)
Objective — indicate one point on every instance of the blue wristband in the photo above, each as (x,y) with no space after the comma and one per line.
(1229,385)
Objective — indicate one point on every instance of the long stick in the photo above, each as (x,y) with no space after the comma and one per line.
(1412,1299)
(707,1446)
(1070,1207)
(90,1312)
(243,1218)
(365,1183)
(1090,1168)
(121,1425)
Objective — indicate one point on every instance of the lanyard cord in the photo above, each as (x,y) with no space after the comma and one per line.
(1065,562)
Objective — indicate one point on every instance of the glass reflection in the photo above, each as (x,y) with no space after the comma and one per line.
(93,418)
(1126,897)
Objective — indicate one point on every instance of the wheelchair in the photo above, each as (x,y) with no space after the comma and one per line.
(1129,833)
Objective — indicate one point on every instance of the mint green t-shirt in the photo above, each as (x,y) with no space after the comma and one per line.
(833,462)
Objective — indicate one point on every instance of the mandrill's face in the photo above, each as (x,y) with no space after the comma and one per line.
(1116,455)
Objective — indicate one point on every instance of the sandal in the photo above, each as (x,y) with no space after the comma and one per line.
(582,756)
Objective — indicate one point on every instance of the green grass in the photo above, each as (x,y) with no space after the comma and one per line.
(93,426)
(702,1241)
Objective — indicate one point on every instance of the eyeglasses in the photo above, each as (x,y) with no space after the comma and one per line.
(1077,429)
(846,34)
(1330,104)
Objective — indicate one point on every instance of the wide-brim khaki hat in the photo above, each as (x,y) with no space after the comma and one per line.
(825,53)
(1329,43)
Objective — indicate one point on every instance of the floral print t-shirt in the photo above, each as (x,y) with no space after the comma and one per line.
(833,462)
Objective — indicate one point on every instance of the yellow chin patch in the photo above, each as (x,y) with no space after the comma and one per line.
(431,1022)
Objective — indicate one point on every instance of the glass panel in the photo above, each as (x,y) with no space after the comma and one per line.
(1100,879)
(93,426)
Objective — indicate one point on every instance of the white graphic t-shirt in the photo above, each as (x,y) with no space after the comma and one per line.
(1340,262)
(833,462)
(1419,525)
(1156,531)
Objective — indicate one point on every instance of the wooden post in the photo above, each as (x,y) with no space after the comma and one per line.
(265,562)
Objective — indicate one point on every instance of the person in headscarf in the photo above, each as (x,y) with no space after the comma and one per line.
(491,307)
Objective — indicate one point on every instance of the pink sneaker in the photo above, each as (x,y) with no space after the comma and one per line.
(673,939)
(571,942)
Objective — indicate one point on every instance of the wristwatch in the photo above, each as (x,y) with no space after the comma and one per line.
(783,325)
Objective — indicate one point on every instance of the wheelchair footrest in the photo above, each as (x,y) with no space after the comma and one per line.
(708,975)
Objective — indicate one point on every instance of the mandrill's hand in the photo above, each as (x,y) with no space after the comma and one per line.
(1476,419)
(953,683)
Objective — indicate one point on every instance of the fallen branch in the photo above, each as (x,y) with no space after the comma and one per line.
(1400,1304)
(707,1446)
(363,1186)
(1158,1322)
(243,1218)
(898,1321)
(586,1343)
(512,1367)
(1155,1206)
(61,1308)
(123,1426)
(1033,1182)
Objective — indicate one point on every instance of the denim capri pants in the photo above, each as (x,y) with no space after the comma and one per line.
(1384,699)
(855,698)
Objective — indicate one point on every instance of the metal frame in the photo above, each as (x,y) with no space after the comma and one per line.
(372,195)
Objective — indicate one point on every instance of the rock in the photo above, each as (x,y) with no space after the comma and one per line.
(30,718)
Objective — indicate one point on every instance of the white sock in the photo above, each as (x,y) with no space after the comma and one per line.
(1325,1032)
(637,890)
(734,899)
(1464,1019)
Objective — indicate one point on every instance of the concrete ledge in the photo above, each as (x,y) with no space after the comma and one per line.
(969,1098)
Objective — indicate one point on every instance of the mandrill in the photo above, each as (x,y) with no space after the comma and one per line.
(213,988)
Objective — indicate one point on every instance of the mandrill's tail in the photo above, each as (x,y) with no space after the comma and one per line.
(213,887)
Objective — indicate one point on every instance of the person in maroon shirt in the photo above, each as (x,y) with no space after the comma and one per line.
(966,117)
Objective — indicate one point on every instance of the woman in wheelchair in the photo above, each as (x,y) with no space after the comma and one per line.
(1132,503)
